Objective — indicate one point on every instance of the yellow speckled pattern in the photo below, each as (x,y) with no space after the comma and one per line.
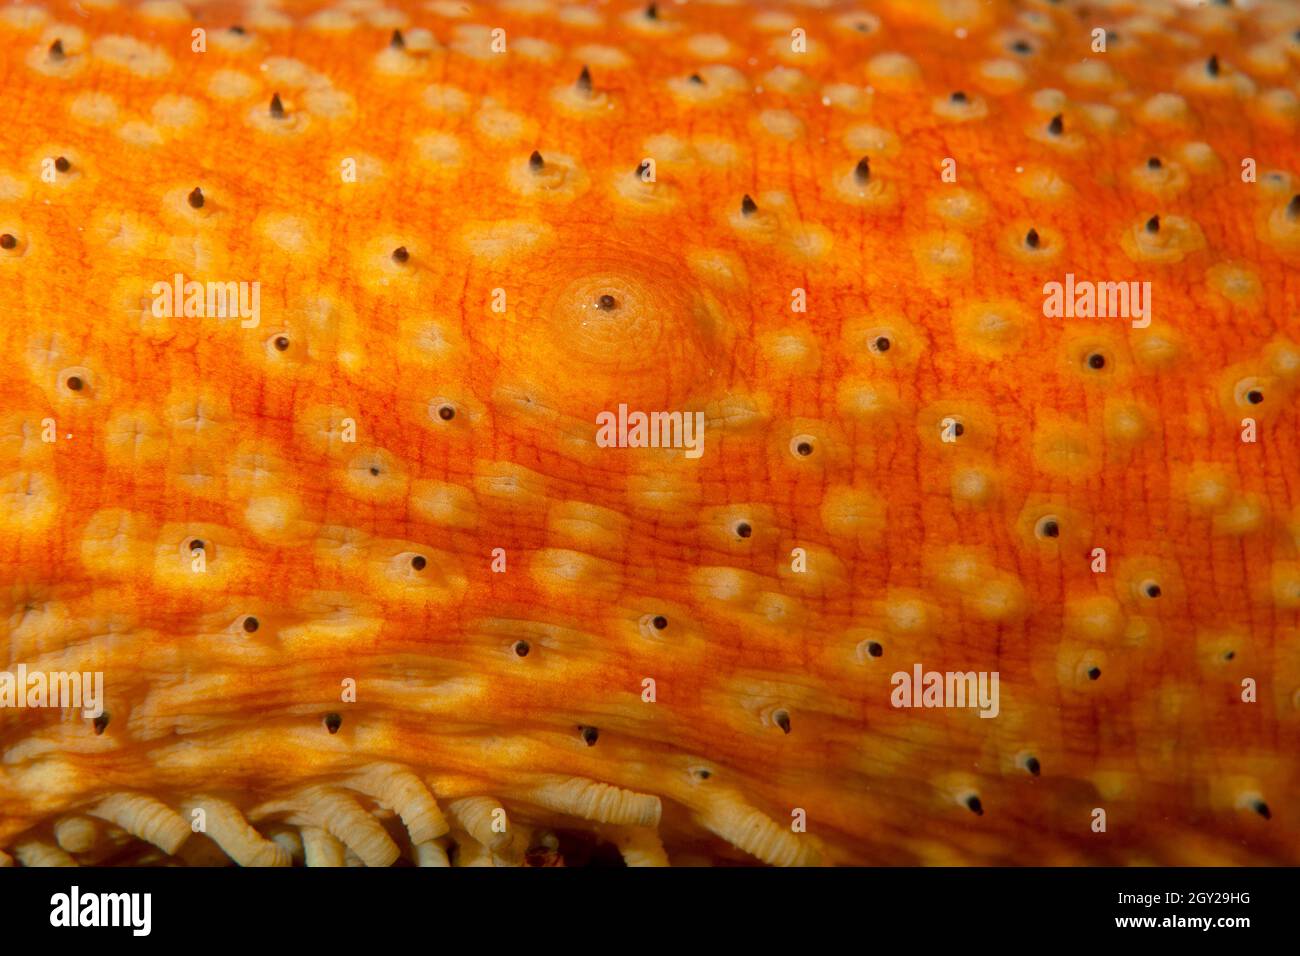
(364,587)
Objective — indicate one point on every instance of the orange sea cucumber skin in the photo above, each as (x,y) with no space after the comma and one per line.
(302,535)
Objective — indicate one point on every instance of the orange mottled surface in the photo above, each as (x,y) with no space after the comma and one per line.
(826,229)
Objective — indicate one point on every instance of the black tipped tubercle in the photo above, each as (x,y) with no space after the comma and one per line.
(535,162)
(584,80)
(747,205)
(277,108)
(862,171)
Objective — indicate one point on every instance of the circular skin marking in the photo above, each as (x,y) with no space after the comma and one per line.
(559,179)
(660,344)
(893,72)
(991,330)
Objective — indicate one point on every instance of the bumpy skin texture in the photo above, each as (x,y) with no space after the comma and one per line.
(926,550)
